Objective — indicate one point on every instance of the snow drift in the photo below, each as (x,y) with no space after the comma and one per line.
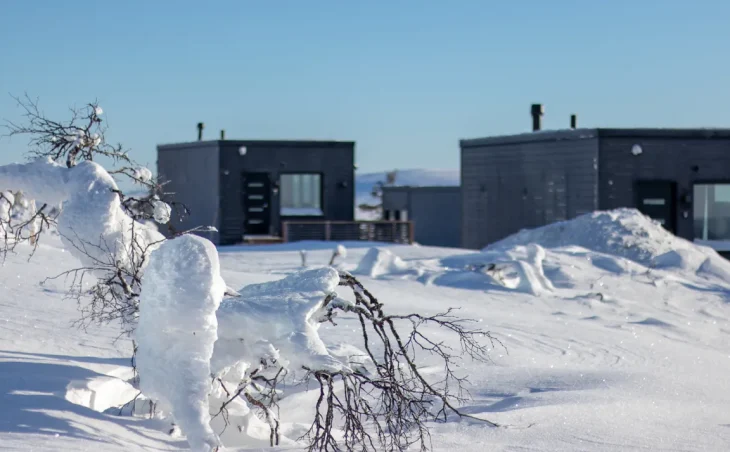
(625,233)
(380,261)
(181,290)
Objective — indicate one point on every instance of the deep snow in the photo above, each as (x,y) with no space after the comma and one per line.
(616,332)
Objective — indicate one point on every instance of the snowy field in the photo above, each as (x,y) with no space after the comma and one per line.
(616,336)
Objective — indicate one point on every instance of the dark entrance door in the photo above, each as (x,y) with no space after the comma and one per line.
(657,199)
(256,203)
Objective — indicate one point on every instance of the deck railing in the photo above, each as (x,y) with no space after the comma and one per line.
(371,231)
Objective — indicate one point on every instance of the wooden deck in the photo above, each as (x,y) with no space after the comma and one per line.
(262,239)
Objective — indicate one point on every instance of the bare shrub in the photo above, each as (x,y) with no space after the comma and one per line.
(387,403)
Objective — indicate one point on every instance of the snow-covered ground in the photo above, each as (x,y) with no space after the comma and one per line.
(616,333)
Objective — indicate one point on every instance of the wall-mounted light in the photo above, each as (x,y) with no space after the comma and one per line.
(242,151)
(275,188)
(686,198)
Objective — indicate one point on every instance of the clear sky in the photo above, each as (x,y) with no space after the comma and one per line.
(405,79)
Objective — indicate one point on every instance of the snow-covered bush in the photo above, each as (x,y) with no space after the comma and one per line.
(268,340)
(105,229)
(181,291)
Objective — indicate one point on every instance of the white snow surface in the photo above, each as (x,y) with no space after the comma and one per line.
(181,291)
(624,348)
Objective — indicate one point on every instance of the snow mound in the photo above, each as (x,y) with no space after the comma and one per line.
(100,393)
(530,272)
(380,261)
(625,233)
(519,269)
(276,319)
(182,288)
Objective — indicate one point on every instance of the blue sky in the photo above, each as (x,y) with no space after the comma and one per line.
(404,79)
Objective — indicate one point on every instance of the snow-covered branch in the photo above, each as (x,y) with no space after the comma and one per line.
(376,398)
(80,138)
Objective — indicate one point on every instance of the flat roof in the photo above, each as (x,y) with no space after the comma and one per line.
(282,143)
(583,134)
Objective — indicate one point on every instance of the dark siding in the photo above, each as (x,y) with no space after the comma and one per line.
(192,172)
(435,212)
(662,158)
(334,160)
(521,184)
(395,198)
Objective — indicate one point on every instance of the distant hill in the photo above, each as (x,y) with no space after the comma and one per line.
(413,177)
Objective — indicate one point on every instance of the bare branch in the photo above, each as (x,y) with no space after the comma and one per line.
(389,407)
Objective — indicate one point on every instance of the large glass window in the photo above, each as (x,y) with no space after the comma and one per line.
(712,211)
(301,194)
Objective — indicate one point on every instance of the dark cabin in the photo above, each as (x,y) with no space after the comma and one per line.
(679,177)
(246,188)
(434,211)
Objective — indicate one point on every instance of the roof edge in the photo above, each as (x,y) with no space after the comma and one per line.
(286,143)
(530,137)
(422,187)
(578,134)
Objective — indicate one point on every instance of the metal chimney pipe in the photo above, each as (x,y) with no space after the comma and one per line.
(201,126)
(537,111)
(573,121)
(223,134)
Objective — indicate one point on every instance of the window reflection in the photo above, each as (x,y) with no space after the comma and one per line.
(301,195)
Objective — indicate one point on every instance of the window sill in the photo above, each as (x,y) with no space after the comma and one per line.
(301,212)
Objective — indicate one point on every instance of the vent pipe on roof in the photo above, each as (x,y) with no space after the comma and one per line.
(536,112)
(201,126)
(573,121)
(223,134)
